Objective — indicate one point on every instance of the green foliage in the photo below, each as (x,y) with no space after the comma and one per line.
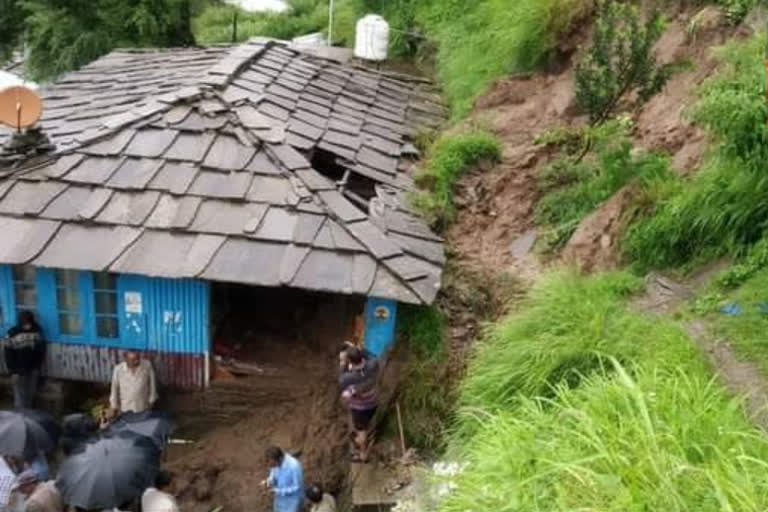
(216,23)
(448,158)
(483,40)
(576,403)
(664,438)
(620,61)
(753,261)
(737,10)
(12,23)
(746,330)
(424,327)
(426,390)
(63,36)
(722,210)
(567,326)
(598,161)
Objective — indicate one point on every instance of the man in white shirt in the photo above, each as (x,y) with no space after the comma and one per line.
(133,385)
(7,480)
(160,497)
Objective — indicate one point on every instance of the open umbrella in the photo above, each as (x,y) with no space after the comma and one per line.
(108,471)
(27,433)
(151,424)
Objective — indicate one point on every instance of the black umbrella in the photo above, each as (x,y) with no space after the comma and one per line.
(151,424)
(27,433)
(108,471)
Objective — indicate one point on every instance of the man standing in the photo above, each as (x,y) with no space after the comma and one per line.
(285,480)
(133,385)
(24,353)
(160,497)
(358,381)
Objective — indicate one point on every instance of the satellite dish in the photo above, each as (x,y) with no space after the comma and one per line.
(20,107)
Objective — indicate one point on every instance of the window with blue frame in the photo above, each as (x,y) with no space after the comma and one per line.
(105,300)
(24,288)
(69,302)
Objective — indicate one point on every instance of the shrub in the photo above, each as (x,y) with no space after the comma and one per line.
(753,261)
(448,159)
(598,162)
(722,209)
(620,61)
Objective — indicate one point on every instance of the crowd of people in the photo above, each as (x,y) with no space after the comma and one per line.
(26,485)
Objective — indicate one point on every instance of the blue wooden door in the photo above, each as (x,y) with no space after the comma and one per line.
(134,309)
(379,325)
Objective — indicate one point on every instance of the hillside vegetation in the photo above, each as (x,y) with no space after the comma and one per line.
(576,403)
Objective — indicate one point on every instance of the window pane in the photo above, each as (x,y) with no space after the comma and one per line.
(26,296)
(68,300)
(104,281)
(106,327)
(67,278)
(106,303)
(70,324)
(24,273)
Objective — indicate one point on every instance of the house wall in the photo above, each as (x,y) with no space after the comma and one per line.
(166,318)
(380,320)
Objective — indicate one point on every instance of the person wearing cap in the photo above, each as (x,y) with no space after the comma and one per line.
(160,497)
(37,496)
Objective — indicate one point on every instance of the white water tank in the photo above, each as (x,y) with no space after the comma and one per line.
(372,38)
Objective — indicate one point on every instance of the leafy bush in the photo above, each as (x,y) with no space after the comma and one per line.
(620,60)
(753,261)
(597,163)
(722,209)
(448,158)
(668,438)
(424,327)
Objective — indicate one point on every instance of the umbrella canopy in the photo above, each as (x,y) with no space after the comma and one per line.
(108,471)
(151,424)
(27,433)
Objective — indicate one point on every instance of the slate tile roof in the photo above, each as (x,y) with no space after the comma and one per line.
(195,163)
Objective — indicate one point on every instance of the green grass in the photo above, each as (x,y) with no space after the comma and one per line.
(575,402)
(661,439)
(575,184)
(722,209)
(746,331)
(448,158)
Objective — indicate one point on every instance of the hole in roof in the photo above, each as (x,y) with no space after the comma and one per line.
(326,164)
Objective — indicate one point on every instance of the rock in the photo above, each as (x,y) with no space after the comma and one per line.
(593,245)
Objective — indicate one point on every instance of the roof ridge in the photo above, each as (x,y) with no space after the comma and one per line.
(226,69)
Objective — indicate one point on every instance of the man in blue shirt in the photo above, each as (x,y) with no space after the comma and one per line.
(286,480)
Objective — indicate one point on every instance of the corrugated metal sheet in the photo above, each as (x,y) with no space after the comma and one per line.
(178,316)
(95,364)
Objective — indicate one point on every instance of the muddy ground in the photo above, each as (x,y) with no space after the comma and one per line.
(291,401)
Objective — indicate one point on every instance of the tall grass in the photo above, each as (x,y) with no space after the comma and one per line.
(575,402)
(567,327)
(723,209)
(662,439)
(449,157)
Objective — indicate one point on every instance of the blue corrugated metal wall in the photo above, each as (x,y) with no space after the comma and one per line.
(166,316)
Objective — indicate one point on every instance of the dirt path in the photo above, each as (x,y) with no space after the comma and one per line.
(742,378)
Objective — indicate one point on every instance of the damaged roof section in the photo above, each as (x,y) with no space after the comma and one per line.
(210,181)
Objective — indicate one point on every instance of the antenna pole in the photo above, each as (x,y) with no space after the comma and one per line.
(330,23)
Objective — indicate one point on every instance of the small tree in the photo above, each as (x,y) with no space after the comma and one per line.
(620,60)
